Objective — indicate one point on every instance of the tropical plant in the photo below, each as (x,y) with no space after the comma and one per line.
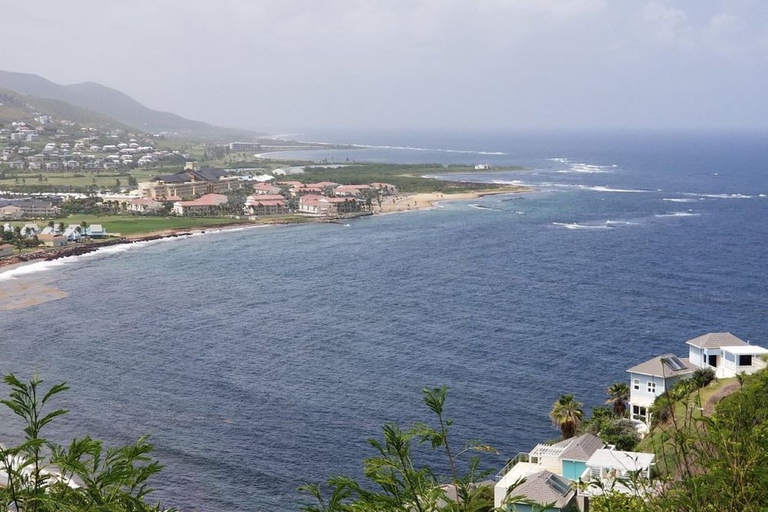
(618,394)
(395,482)
(567,414)
(43,476)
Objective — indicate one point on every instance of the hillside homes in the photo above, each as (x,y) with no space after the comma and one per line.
(724,353)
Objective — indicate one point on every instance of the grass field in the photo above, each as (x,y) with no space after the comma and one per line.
(659,440)
(128,225)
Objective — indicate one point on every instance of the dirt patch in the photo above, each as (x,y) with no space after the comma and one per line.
(709,407)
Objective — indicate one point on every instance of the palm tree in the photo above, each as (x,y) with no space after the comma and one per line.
(618,394)
(566,414)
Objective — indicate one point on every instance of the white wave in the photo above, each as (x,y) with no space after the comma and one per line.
(761,195)
(621,223)
(480,207)
(677,214)
(561,160)
(575,225)
(600,188)
(681,200)
(587,169)
(720,196)
(30,268)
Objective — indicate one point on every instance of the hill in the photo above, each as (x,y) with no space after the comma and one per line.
(17,107)
(118,106)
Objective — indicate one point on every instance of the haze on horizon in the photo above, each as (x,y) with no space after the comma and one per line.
(418,64)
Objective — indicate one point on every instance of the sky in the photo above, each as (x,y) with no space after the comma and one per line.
(287,65)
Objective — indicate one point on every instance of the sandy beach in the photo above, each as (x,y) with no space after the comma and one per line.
(403,203)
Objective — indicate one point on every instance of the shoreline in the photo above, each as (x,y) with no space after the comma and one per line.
(18,293)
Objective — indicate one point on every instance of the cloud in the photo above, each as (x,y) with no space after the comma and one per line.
(410,63)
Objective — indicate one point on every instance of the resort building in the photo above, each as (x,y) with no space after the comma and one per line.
(652,378)
(190,183)
(144,205)
(265,204)
(11,211)
(386,189)
(205,205)
(266,189)
(726,354)
(318,206)
(29,209)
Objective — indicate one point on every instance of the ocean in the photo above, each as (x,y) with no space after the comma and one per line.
(263,358)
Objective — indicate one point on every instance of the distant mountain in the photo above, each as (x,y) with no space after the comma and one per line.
(117,105)
(19,107)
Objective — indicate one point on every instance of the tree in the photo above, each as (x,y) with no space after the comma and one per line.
(618,394)
(396,483)
(43,476)
(566,414)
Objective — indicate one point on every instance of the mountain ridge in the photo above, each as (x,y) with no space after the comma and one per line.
(117,105)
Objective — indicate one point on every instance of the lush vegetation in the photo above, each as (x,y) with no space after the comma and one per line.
(82,476)
(396,482)
(407,178)
(721,461)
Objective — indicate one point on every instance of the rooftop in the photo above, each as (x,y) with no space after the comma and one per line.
(716,340)
(667,365)
(744,350)
(622,461)
(545,487)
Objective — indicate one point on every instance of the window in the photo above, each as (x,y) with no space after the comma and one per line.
(636,384)
(652,387)
(745,360)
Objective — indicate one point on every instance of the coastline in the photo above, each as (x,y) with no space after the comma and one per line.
(18,293)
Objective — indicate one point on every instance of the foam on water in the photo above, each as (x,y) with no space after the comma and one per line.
(574,225)
(677,214)
(681,200)
(722,196)
(31,268)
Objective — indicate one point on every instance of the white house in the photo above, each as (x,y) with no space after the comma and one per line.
(652,378)
(565,459)
(612,469)
(726,354)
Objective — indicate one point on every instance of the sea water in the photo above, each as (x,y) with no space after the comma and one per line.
(264,358)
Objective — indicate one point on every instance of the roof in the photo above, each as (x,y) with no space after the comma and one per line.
(145,201)
(744,350)
(260,198)
(206,200)
(581,448)
(664,366)
(623,461)
(716,340)
(50,237)
(545,487)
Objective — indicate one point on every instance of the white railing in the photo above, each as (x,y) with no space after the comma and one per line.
(520,457)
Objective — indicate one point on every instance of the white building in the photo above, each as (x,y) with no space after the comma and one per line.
(726,354)
(652,378)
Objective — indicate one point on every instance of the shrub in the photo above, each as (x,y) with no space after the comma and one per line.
(621,433)
(703,376)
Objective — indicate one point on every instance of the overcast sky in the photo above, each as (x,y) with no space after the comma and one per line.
(455,64)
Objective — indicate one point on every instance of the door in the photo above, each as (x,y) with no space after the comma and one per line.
(712,360)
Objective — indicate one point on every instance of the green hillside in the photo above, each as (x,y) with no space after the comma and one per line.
(117,105)
(18,107)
